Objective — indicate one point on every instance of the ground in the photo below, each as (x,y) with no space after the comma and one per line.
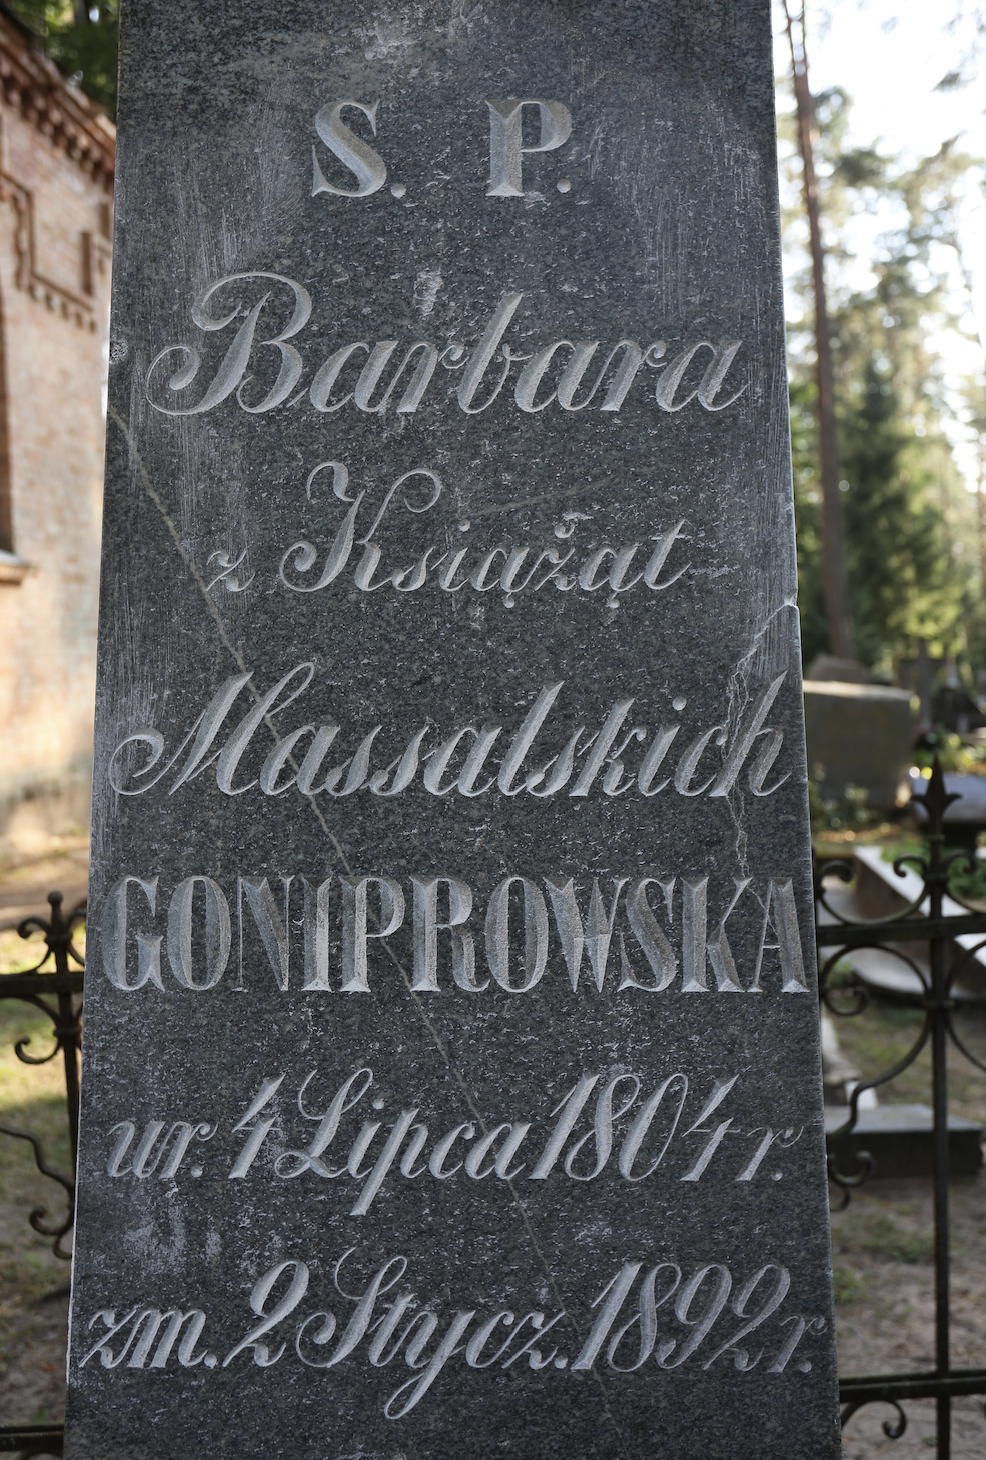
(884,1285)
(882,1248)
(25,881)
(33,1302)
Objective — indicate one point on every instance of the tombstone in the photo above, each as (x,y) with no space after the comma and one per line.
(900,1140)
(452,1081)
(917,675)
(859,736)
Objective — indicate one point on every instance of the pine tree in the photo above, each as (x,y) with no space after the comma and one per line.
(910,527)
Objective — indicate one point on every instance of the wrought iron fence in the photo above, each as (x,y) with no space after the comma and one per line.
(847,998)
(55,987)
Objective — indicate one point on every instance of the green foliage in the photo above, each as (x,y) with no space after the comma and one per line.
(898,561)
(850,1285)
(880,1234)
(910,528)
(808,518)
(954,752)
(81,40)
(847,812)
(967,879)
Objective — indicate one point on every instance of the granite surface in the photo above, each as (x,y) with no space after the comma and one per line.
(451,1077)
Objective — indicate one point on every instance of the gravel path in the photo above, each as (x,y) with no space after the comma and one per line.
(882,1250)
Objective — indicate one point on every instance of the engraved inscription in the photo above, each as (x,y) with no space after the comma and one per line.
(614,942)
(507,150)
(641,1127)
(567,374)
(514,571)
(656,1313)
(614,758)
(367,166)
(451,987)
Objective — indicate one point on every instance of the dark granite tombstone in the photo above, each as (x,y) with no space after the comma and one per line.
(451,1080)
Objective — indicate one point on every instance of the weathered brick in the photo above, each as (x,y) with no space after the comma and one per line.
(56,166)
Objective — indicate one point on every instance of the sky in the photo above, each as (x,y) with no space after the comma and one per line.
(890,56)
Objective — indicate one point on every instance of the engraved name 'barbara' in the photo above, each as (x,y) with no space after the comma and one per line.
(564,375)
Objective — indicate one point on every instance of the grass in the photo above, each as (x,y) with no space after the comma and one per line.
(18,954)
(32,1097)
(878,1038)
(886,1233)
(21,1084)
(851,1286)
(890,1228)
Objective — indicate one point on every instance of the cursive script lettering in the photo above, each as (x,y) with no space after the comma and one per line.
(660,1314)
(557,368)
(589,763)
(525,569)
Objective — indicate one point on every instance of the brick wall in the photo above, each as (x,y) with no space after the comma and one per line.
(55,194)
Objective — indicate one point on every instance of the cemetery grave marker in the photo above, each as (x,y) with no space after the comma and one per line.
(451,1079)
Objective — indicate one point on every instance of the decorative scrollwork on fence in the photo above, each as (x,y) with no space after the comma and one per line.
(38,1214)
(54,986)
(922,920)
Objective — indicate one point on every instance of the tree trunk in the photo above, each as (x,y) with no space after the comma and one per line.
(981,495)
(834,587)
